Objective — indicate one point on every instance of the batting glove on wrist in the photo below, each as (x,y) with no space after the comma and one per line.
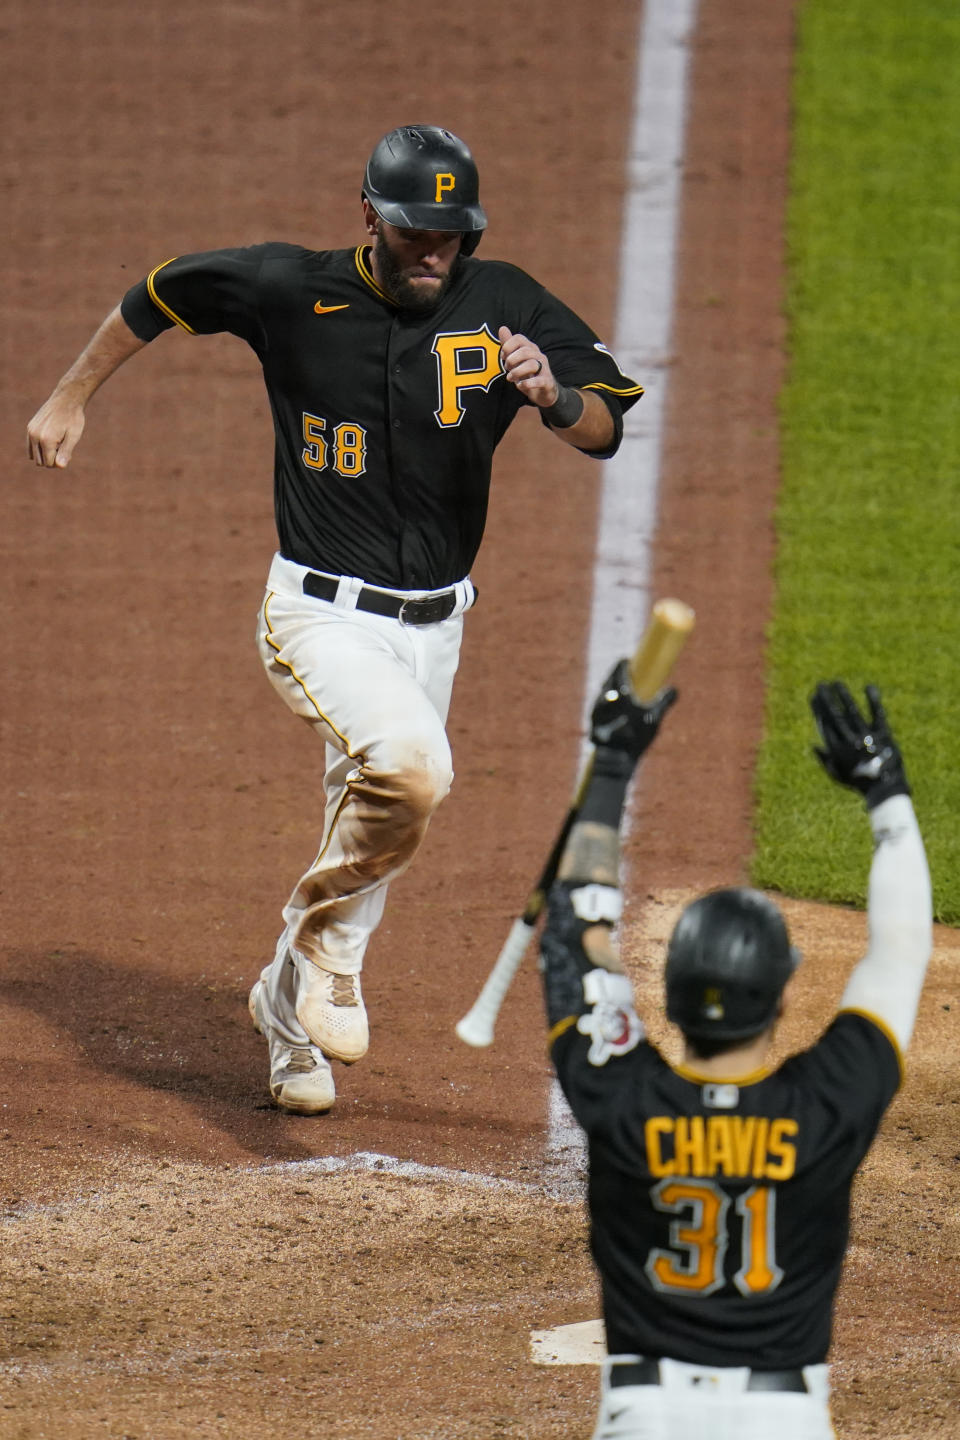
(857,751)
(620,721)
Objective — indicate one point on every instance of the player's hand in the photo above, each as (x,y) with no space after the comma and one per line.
(620,721)
(526,366)
(856,750)
(54,431)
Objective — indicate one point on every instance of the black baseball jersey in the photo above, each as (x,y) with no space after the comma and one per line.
(719,1211)
(386,419)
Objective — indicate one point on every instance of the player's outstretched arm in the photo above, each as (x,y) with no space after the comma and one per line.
(585,902)
(53,432)
(858,750)
(588,997)
(578,417)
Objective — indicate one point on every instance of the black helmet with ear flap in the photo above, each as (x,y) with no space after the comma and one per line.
(728,959)
(421,177)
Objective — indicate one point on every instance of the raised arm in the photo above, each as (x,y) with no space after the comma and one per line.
(57,426)
(581,967)
(860,752)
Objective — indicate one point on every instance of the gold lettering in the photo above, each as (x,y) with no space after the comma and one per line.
(720,1155)
(689,1145)
(445,181)
(760,1146)
(782,1161)
(656,1127)
(457,354)
(744,1127)
(731,1145)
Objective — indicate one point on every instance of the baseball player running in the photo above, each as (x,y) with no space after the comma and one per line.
(393,370)
(719,1190)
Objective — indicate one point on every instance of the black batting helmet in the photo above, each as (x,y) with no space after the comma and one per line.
(728,960)
(422,177)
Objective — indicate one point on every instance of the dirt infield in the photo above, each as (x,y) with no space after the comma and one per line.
(178,1258)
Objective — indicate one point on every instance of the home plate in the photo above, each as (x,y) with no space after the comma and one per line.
(583,1344)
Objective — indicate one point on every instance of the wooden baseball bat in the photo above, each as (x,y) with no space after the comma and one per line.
(671,622)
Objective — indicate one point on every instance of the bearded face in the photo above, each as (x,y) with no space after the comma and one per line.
(415,267)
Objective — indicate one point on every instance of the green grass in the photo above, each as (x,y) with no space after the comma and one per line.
(868,567)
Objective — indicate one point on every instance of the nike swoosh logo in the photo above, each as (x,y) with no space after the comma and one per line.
(322,309)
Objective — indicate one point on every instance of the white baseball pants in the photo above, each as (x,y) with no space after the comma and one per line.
(694,1402)
(377,692)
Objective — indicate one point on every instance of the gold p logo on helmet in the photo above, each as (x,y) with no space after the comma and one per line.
(712,1008)
(445,182)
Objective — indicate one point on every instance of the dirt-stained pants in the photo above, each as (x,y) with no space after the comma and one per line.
(377,692)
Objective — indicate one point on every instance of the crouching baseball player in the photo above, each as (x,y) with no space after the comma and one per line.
(719,1190)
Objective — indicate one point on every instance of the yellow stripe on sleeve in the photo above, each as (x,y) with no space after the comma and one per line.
(882,1026)
(613,389)
(561,1027)
(151,290)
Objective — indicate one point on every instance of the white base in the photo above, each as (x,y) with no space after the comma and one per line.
(583,1344)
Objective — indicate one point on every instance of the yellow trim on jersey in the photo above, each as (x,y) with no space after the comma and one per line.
(881,1026)
(687,1072)
(366,274)
(613,389)
(561,1027)
(171,314)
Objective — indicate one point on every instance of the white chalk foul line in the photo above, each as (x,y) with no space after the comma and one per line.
(628,506)
(370,1162)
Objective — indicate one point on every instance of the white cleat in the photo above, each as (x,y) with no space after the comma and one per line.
(301,1080)
(331,1010)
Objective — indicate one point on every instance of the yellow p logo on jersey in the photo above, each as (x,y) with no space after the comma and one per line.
(445,182)
(466,360)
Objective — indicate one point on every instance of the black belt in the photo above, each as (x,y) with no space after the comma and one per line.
(427,610)
(647,1372)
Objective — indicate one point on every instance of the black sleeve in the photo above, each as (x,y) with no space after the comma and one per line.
(141,315)
(578,358)
(563,962)
(858,1059)
(204,293)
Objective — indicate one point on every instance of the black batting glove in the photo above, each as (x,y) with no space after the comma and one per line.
(621,722)
(856,750)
